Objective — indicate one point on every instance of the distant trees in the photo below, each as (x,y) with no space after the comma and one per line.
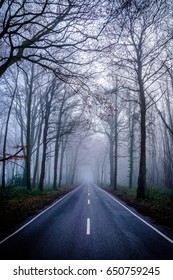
(110,113)
(101,158)
(47,112)
(164,110)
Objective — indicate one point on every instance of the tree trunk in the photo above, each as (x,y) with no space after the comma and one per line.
(56,162)
(74,163)
(28,150)
(115,144)
(45,132)
(142,164)
(111,158)
(37,156)
(5,141)
(18,112)
(57,144)
(28,132)
(131,150)
(61,161)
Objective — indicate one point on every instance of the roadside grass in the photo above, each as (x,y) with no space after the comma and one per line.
(17,204)
(158,204)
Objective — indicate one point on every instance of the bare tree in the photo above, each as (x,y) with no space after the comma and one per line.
(47,33)
(12,89)
(137,60)
(49,94)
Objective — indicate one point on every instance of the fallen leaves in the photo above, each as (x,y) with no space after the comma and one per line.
(20,204)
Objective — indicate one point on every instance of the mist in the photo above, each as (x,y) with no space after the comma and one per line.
(79,108)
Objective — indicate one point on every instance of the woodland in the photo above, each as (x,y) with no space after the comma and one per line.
(86,94)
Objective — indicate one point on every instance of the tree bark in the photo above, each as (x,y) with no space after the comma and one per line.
(131,149)
(62,160)
(74,163)
(115,144)
(45,132)
(111,158)
(28,132)
(37,155)
(5,141)
(142,163)
(57,144)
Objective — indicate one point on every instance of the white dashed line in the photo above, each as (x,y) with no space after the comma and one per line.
(88,201)
(88,226)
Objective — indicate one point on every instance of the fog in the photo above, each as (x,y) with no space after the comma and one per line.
(90,98)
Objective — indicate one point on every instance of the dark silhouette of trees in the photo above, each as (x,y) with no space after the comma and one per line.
(52,97)
(139,62)
(46,33)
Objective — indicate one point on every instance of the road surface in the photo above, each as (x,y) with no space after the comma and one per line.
(87,224)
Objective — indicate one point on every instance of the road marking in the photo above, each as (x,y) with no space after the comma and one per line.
(88,226)
(88,193)
(88,201)
(25,225)
(155,229)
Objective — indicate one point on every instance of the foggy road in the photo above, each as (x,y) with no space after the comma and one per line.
(87,224)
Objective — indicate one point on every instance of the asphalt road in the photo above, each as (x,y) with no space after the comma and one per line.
(87,224)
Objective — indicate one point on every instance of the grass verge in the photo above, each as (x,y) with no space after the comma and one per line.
(17,204)
(158,205)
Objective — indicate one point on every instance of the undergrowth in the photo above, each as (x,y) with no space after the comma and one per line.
(158,203)
(17,204)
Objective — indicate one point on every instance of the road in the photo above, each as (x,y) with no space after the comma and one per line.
(87,224)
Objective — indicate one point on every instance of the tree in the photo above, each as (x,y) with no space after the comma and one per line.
(110,112)
(164,110)
(132,119)
(136,57)
(12,96)
(47,33)
(49,94)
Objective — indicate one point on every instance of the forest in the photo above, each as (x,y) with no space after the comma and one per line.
(86,94)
